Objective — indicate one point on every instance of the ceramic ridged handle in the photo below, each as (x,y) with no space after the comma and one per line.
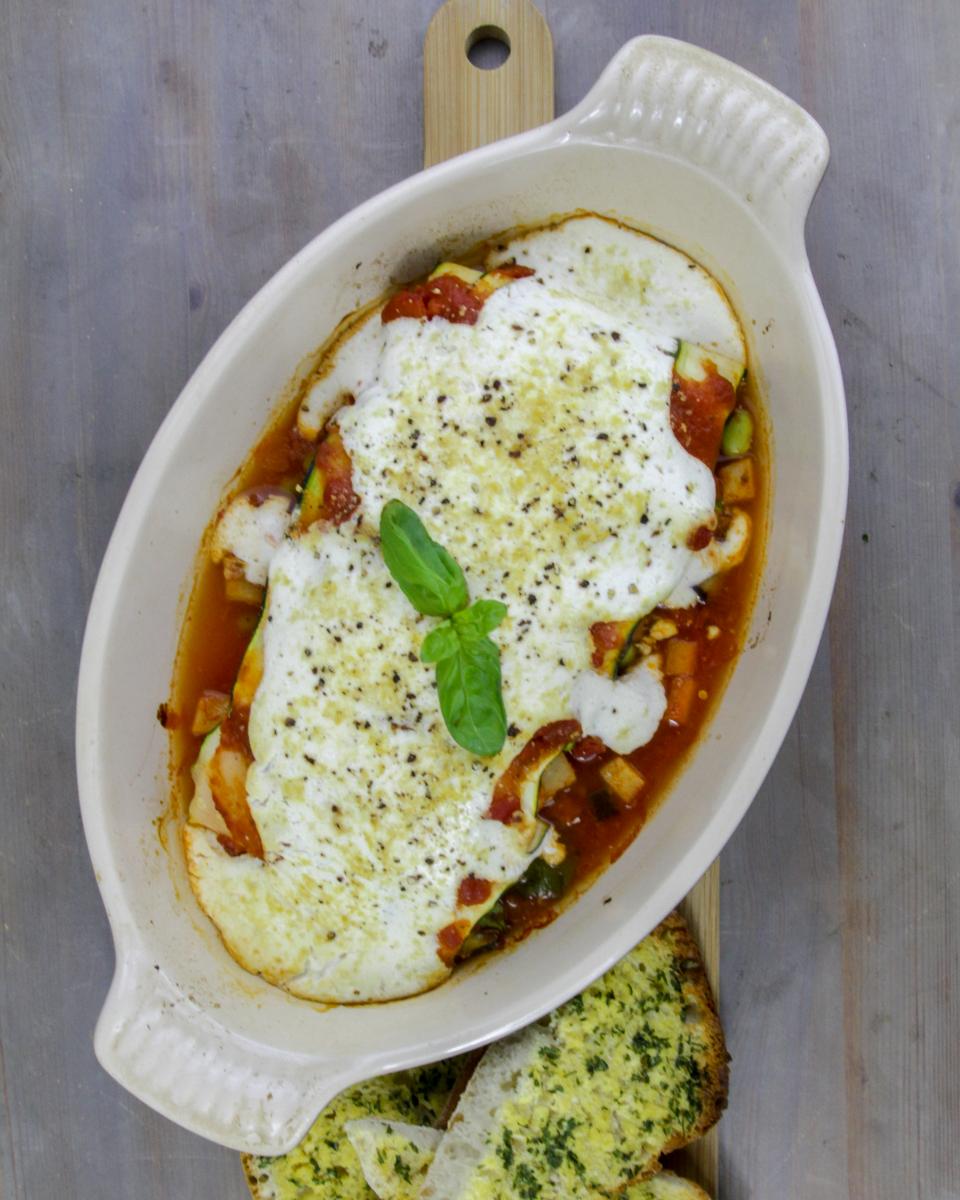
(166,1049)
(687,103)
(465,106)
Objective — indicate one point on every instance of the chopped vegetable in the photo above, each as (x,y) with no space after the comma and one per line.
(604,805)
(242,591)
(623,779)
(680,697)
(703,396)
(736,481)
(612,643)
(697,362)
(557,776)
(681,657)
(587,749)
(737,433)
(486,933)
(212,708)
(541,881)
(311,501)
(466,274)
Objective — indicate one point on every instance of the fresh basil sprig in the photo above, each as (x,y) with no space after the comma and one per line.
(467,661)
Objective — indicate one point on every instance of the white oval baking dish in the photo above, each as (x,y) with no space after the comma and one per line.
(695,150)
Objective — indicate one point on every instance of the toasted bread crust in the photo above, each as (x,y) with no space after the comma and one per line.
(698,995)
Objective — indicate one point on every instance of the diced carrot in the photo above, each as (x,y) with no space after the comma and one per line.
(736,481)
(623,779)
(681,657)
(680,697)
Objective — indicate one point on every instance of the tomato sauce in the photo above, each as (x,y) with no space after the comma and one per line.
(698,412)
(446,296)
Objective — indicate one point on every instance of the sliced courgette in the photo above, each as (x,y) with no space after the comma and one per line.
(203,811)
(737,434)
(251,669)
(694,362)
(311,498)
(545,881)
(619,656)
(467,274)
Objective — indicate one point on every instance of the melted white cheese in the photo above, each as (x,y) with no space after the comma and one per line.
(251,529)
(646,282)
(536,447)
(716,557)
(623,713)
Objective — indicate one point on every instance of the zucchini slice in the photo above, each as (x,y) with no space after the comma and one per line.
(694,362)
(617,651)
(466,274)
(311,498)
(203,811)
(251,669)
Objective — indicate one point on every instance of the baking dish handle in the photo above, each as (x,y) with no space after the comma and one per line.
(693,106)
(159,1044)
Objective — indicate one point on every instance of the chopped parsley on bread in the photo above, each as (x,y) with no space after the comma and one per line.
(578,1106)
(324,1165)
(395,1157)
(589,1100)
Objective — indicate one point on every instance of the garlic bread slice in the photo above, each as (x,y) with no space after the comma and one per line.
(587,1101)
(325,1166)
(395,1157)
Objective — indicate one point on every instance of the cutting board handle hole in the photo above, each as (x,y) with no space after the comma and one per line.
(488,47)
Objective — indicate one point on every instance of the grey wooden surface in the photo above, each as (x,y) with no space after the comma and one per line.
(158,162)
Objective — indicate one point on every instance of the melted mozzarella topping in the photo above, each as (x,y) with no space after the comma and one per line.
(251,528)
(344,376)
(623,713)
(536,446)
(647,282)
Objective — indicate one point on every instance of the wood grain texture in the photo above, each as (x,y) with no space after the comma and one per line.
(465,106)
(157,163)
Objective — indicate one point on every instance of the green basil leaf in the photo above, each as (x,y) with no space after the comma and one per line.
(428,576)
(481,618)
(440,643)
(468,686)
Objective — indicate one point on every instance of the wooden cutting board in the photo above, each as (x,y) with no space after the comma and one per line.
(466,106)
